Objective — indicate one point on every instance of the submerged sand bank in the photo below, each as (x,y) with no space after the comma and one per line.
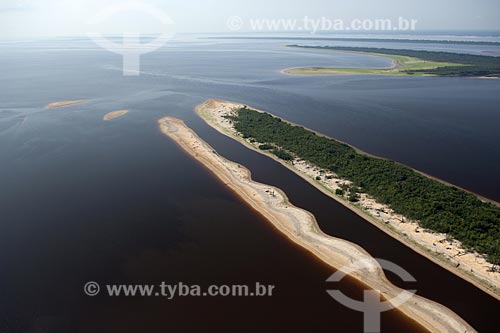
(301,227)
(65,103)
(447,253)
(114,114)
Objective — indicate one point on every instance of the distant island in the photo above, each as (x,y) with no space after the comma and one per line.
(451,226)
(114,114)
(368,40)
(301,227)
(65,103)
(411,63)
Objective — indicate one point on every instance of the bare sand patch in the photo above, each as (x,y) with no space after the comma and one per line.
(65,103)
(114,114)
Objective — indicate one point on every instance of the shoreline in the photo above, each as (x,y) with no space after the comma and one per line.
(300,226)
(331,71)
(447,254)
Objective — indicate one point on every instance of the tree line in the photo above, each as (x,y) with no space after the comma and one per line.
(437,206)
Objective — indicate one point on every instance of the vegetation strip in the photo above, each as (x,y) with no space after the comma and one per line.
(413,62)
(441,248)
(437,206)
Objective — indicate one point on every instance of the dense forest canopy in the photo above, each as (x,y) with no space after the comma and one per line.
(475,65)
(437,207)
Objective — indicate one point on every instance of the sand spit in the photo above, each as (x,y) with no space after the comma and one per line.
(114,114)
(65,103)
(301,227)
(439,248)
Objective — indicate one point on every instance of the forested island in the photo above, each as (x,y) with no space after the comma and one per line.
(436,206)
(414,62)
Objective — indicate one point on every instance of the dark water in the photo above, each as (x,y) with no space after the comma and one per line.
(116,210)
(118,202)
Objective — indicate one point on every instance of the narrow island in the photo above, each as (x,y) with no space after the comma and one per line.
(410,63)
(114,114)
(364,40)
(448,225)
(300,226)
(65,103)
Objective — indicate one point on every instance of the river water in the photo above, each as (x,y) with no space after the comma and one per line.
(118,202)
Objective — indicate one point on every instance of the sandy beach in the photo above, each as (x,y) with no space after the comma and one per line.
(301,227)
(437,247)
(65,103)
(114,114)
(398,67)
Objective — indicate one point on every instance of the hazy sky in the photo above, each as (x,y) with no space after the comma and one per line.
(25,18)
